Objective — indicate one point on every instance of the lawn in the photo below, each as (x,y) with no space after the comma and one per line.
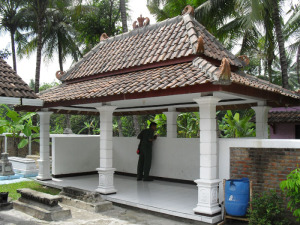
(12,188)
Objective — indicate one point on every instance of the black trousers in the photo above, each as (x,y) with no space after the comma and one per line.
(144,164)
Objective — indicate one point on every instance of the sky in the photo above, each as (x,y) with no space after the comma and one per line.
(26,66)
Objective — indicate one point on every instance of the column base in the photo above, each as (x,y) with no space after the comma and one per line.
(44,170)
(208,192)
(106,181)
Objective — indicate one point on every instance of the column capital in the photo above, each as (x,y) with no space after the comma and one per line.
(255,108)
(212,100)
(106,108)
(43,113)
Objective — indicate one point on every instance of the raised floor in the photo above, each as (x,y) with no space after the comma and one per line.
(165,197)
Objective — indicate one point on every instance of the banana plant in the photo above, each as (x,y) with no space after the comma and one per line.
(16,124)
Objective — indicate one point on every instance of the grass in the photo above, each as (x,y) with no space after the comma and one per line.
(12,188)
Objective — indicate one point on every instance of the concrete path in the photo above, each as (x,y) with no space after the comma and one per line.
(117,216)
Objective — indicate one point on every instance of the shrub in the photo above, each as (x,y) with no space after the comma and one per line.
(291,187)
(267,209)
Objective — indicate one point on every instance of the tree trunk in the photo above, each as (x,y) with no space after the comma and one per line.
(13,50)
(136,125)
(280,40)
(38,57)
(60,57)
(123,15)
(269,66)
(120,126)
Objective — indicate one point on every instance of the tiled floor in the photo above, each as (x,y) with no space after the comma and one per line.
(160,196)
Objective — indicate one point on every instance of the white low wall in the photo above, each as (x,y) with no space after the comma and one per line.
(172,158)
(75,153)
(176,158)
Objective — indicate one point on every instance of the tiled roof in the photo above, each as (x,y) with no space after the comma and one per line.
(168,40)
(11,85)
(284,117)
(179,75)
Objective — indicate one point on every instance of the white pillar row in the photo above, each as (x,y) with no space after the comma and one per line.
(44,161)
(171,123)
(208,184)
(106,172)
(261,117)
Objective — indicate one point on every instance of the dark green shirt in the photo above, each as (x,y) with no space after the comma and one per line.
(145,137)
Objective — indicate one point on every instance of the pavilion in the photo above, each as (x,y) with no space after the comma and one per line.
(170,67)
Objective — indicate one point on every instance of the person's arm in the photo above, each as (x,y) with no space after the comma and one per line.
(152,137)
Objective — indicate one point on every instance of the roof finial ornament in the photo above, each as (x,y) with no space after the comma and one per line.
(103,37)
(188,10)
(142,21)
(245,59)
(200,45)
(59,74)
(224,73)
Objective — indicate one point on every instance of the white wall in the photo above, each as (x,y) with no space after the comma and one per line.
(172,158)
(75,153)
(177,158)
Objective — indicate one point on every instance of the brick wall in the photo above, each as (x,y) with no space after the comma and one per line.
(265,167)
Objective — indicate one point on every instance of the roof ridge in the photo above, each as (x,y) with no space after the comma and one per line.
(190,30)
(213,39)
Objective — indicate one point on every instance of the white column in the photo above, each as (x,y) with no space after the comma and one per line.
(44,161)
(5,143)
(208,183)
(261,117)
(106,172)
(171,123)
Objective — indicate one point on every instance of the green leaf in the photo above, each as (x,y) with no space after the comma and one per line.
(13,115)
(23,143)
(27,130)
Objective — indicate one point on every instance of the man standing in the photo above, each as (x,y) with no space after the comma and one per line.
(147,137)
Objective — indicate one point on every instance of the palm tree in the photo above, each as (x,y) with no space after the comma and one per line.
(11,21)
(123,15)
(292,31)
(36,11)
(280,40)
(59,34)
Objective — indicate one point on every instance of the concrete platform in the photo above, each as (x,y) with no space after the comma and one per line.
(169,198)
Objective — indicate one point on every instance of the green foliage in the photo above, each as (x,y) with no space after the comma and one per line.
(267,209)
(291,187)
(12,188)
(16,124)
(91,127)
(161,121)
(234,126)
(96,18)
(188,125)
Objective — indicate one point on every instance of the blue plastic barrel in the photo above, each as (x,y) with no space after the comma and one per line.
(237,196)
